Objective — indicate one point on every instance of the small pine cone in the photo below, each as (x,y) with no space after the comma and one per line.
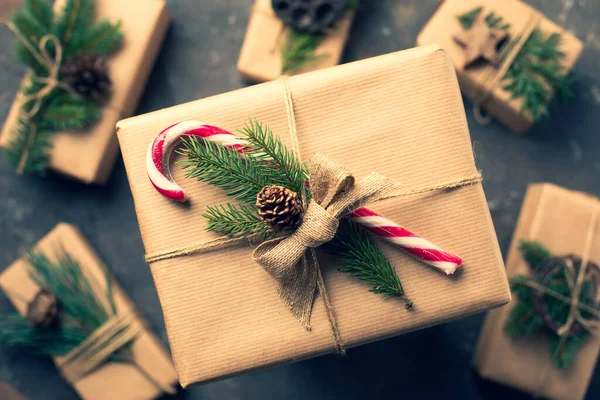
(87,74)
(279,207)
(42,312)
(312,16)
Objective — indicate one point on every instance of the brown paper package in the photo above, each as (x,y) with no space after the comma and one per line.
(260,57)
(89,155)
(444,24)
(112,380)
(8,392)
(559,219)
(400,115)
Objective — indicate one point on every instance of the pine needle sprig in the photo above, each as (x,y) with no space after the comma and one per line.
(524,319)
(298,50)
(364,260)
(267,148)
(225,168)
(238,220)
(537,71)
(60,109)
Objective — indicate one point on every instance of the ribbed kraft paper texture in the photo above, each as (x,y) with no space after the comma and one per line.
(260,56)
(89,154)
(400,115)
(113,380)
(559,219)
(444,25)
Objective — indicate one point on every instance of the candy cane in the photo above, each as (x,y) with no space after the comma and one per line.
(157,163)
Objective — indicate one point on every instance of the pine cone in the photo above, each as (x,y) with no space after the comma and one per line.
(279,207)
(42,312)
(87,74)
(312,16)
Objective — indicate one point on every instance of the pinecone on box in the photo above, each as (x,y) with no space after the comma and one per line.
(87,74)
(312,16)
(42,311)
(279,207)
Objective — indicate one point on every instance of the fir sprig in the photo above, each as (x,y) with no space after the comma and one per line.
(524,319)
(536,72)
(225,168)
(82,308)
(363,259)
(269,149)
(61,109)
(298,50)
(237,220)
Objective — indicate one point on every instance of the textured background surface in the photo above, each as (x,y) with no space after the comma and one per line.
(198,60)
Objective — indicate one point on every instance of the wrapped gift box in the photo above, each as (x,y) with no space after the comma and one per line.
(8,392)
(444,25)
(112,380)
(559,219)
(89,155)
(260,57)
(400,115)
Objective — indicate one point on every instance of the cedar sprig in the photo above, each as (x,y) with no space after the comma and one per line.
(60,110)
(536,72)
(269,149)
(363,259)
(237,220)
(225,168)
(523,319)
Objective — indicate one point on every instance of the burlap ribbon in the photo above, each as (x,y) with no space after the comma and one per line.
(291,260)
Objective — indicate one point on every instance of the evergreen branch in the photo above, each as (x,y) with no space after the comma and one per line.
(269,149)
(104,38)
(38,144)
(534,253)
(69,112)
(42,10)
(298,50)
(76,18)
(536,73)
(362,258)
(225,168)
(236,221)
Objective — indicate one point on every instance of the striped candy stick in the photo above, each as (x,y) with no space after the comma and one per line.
(157,164)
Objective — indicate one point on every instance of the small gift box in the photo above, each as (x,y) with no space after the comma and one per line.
(524,344)
(510,59)
(267,37)
(400,115)
(8,392)
(88,154)
(94,374)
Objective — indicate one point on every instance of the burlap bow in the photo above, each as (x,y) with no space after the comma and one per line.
(292,260)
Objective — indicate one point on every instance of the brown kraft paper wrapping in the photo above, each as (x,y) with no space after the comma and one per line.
(400,115)
(8,392)
(90,154)
(111,380)
(559,219)
(444,24)
(260,57)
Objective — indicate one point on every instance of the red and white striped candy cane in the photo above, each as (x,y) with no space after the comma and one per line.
(406,240)
(157,164)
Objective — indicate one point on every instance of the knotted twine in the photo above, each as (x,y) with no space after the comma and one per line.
(52,67)
(494,76)
(291,259)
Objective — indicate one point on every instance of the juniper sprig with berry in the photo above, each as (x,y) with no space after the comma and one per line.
(67,78)
(536,73)
(269,181)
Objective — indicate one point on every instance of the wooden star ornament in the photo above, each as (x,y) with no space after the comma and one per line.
(480,41)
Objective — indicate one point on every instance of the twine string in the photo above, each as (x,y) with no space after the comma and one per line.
(508,55)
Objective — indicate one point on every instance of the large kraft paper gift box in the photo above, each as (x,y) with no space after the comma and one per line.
(89,155)
(444,25)
(560,220)
(260,56)
(112,380)
(400,115)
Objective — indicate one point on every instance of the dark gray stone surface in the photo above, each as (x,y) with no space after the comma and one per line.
(198,60)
